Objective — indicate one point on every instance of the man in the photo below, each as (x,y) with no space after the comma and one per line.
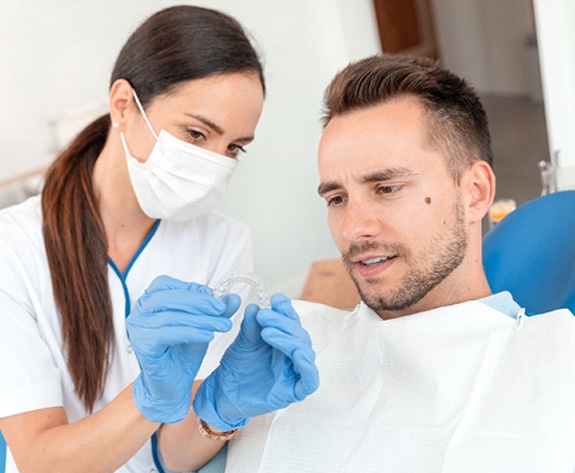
(431,372)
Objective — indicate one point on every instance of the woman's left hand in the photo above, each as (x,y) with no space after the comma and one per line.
(270,365)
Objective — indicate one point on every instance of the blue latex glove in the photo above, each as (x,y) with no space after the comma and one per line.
(270,365)
(170,328)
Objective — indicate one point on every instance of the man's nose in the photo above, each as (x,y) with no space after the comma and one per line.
(360,221)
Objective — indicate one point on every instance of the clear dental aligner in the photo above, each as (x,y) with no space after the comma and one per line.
(261,289)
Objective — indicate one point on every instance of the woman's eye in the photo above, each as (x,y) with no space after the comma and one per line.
(235,150)
(195,135)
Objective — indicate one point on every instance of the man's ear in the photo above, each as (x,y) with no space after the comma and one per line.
(478,186)
(120,98)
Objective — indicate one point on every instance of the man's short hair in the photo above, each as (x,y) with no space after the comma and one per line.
(457,122)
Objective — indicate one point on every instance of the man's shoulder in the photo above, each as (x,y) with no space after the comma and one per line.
(559,317)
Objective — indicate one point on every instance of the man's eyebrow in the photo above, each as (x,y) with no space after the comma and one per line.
(375,176)
(387,175)
(326,187)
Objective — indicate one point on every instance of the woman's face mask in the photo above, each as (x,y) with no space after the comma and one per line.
(179,180)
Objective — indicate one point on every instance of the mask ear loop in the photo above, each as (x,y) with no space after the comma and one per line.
(139,105)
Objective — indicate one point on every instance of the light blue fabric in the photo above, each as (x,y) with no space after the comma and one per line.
(503,302)
(2,453)
(216,464)
(531,253)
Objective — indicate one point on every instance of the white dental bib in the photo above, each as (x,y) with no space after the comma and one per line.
(463,388)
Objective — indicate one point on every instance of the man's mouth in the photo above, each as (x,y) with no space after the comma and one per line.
(371,259)
(374,261)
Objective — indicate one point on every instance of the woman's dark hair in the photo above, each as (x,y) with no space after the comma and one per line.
(177,44)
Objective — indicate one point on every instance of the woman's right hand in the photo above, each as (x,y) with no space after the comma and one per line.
(170,328)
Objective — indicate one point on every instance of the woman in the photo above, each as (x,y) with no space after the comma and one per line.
(129,200)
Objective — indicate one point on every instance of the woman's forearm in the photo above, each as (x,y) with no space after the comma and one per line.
(182,446)
(43,440)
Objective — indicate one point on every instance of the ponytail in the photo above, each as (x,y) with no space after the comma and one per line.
(78,258)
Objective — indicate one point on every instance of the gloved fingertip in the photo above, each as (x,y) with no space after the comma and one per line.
(250,330)
(252,310)
(200,288)
(279,298)
(159,283)
(263,315)
(164,282)
(307,370)
(303,359)
(308,387)
(286,343)
(227,327)
(283,304)
(307,384)
(232,302)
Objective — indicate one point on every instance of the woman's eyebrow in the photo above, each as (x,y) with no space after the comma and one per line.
(218,129)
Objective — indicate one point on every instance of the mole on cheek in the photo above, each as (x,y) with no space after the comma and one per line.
(428,200)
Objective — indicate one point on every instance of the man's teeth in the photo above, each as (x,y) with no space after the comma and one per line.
(373,261)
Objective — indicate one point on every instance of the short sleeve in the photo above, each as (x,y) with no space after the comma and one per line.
(29,377)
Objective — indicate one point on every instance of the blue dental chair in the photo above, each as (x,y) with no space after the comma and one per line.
(531,253)
(2,454)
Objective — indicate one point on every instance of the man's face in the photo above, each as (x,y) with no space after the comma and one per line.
(394,211)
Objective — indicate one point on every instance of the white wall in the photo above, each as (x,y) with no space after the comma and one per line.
(485,42)
(57,56)
(556,36)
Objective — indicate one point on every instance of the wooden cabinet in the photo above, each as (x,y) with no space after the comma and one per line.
(406,26)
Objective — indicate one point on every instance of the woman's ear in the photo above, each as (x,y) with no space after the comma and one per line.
(120,98)
(478,185)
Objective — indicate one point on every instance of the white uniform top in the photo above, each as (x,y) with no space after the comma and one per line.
(33,370)
(463,388)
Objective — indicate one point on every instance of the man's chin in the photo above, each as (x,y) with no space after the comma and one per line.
(380,301)
(375,300)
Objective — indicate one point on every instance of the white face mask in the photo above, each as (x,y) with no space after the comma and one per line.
(179,180)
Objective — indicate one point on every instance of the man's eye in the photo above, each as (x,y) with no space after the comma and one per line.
(387,189)
(335,200)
